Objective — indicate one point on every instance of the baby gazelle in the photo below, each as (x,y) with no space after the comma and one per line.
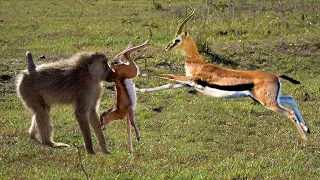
(125,91)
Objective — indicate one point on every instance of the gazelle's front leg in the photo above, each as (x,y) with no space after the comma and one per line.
(108,116)
(290,101)
(183,81)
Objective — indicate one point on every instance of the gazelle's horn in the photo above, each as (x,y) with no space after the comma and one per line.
(118,56)
(184,21)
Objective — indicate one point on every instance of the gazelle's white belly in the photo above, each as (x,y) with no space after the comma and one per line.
(129,85)
(223,94)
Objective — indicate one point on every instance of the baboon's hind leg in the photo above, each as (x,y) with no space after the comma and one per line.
(33,129)
(41,123)
(82,116)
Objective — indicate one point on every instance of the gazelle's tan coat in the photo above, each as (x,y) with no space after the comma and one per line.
(125,91)
(228,83)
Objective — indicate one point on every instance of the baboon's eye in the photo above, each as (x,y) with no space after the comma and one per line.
(106,66)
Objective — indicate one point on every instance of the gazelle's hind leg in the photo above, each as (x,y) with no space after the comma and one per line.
(291,116)
(290,101)
(133,123)
(267,94)
(129,134)
(164,87)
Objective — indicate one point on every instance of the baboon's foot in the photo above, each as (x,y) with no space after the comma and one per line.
(33,136)
(130,149)
(106,151)
(90,150)
(55,144)
(58,145)
(35,139)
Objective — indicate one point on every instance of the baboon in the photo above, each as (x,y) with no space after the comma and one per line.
(76,81)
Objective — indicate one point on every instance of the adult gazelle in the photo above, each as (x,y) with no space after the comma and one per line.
(221,82)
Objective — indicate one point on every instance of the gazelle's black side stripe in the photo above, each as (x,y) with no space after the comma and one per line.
(237,87)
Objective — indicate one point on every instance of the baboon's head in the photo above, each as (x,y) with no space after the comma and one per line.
(99,68)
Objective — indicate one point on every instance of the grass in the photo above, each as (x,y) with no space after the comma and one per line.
(185,135)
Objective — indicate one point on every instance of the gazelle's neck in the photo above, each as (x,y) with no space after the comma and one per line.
(191,53)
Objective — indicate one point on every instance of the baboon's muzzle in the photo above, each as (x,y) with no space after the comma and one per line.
(111,76)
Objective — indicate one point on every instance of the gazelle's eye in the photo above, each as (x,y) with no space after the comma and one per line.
(177,40)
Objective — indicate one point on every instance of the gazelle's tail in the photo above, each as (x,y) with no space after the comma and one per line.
(289,79)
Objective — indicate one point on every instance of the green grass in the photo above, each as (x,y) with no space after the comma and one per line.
(184,135)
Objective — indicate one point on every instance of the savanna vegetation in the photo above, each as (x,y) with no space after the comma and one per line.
(184,134)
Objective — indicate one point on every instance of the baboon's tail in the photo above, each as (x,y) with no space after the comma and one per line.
(289,79)
(31,65)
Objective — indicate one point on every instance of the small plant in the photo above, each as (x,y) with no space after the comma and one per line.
(150,27)
(157,5)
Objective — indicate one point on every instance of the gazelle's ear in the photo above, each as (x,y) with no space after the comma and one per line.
(184,35)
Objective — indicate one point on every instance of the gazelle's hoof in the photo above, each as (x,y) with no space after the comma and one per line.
(305,127)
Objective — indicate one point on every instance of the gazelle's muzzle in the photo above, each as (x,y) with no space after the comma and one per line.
(173,44)
(169,47)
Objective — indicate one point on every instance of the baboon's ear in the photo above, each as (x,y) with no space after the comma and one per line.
(96,69)
(94,55)
(97,55)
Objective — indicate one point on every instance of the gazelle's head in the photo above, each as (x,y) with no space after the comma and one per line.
(129,69)
(124,70)
(181,38)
